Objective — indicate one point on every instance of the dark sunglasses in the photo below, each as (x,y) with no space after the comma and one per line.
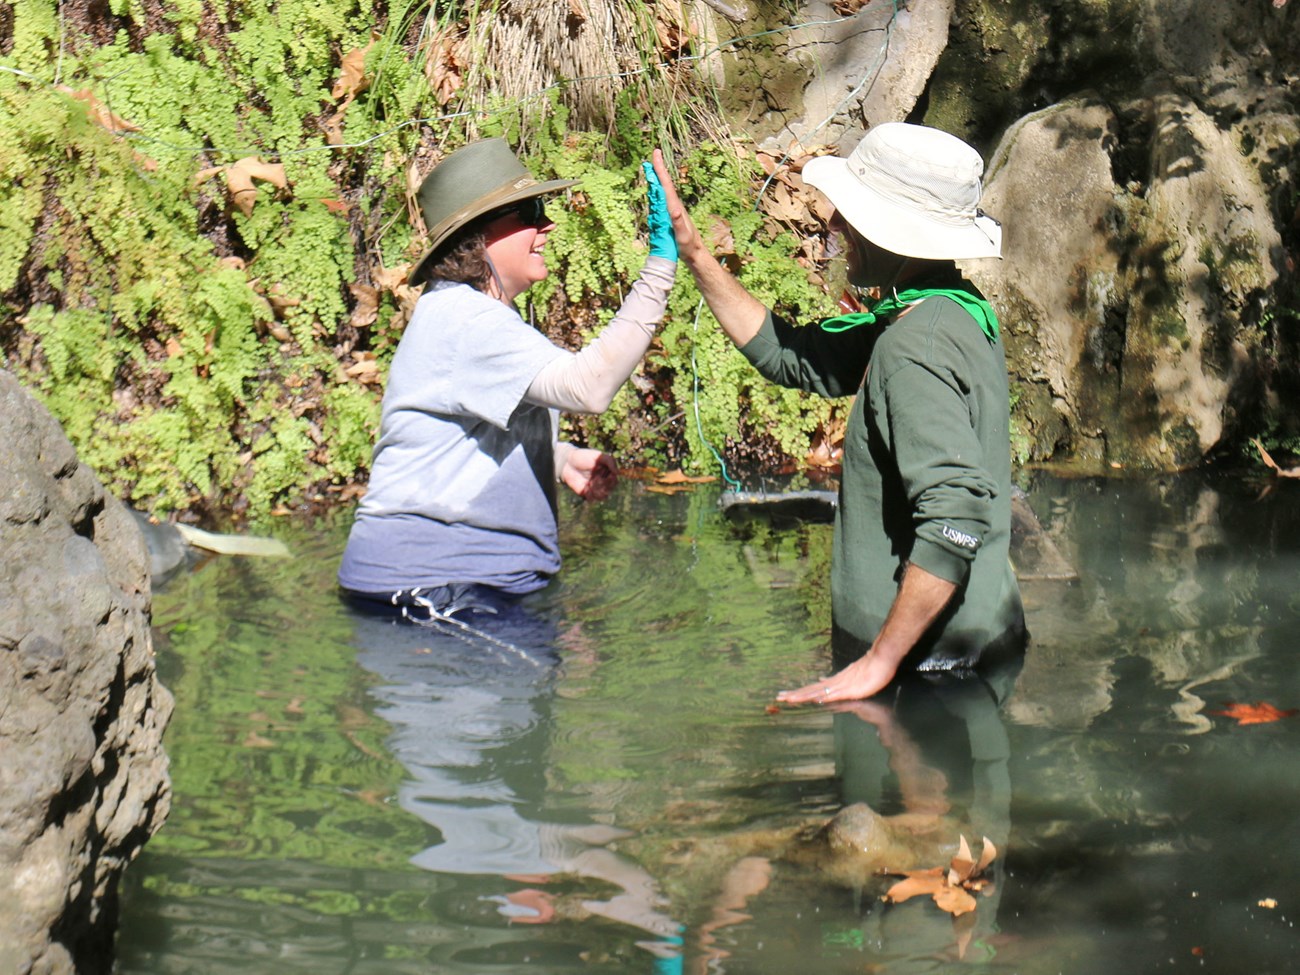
(531,212)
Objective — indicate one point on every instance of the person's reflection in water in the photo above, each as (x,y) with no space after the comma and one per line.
(935,745)
(929,755)
(468,700)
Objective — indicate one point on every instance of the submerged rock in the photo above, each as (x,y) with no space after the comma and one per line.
(83,775)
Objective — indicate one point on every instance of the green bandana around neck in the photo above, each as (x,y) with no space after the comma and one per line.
(977,307)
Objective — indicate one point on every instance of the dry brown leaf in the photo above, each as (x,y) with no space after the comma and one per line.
(780,203)
(1272,464)
(352,80)
(240,176)
(173,348)
(954,900)
(671,27)
(444,64)
(366,310)
(364,370)
(99,114)
(280,303)
(719,237)
(333,129)
(680,477)
(989,854)
(203,175)
(916,883)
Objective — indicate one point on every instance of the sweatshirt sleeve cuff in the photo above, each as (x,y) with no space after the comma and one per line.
(940,561)
(660,267)
(764,341)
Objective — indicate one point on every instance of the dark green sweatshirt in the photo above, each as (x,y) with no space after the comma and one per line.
(926,470)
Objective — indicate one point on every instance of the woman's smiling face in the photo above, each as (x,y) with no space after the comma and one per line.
(514,246)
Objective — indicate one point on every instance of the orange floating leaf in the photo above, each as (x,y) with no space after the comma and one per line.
(1272,464)
(1260,712)
(678,477)
(955,901)
(962,865)
(916,883)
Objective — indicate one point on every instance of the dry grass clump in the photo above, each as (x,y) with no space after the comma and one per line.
(502,52)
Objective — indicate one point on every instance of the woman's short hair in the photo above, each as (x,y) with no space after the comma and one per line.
(464,260)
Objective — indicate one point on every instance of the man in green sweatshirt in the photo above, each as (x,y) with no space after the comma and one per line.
(920,576)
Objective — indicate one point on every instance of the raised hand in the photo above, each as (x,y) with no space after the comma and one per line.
(662,241)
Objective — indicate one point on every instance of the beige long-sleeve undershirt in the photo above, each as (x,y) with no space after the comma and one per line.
(586,381)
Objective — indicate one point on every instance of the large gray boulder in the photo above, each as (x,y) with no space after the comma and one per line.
(1140,247)
(83,775)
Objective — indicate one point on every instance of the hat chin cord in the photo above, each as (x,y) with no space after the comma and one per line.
(496,279)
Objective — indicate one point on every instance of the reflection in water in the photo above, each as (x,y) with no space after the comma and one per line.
(313,759)
(920,766)
(470,710)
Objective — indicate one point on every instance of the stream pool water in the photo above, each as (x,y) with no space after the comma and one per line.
(602,784)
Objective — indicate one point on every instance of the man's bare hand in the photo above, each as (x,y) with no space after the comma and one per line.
(690,245)
(866,676)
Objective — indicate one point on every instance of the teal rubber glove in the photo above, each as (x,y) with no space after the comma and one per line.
(669,964)
(663,242)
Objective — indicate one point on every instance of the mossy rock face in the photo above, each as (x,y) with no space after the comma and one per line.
(1007,59)
(1139,246)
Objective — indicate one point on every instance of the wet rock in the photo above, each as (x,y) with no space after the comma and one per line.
(858,843)
(1132,298)
(83,776)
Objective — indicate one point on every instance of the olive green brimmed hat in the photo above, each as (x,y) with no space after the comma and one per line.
(474,180)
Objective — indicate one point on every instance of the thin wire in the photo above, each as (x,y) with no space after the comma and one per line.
(871,74)
(433,119)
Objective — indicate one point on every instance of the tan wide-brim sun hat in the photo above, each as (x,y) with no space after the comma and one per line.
(472,181)
(913,190)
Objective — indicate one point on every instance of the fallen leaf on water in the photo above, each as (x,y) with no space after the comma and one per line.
(954,900)
(951,888)
(1260,712)
(1268,902)
(915,884)
(1270,463)
(773,709)
(668,488)
(678,477)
